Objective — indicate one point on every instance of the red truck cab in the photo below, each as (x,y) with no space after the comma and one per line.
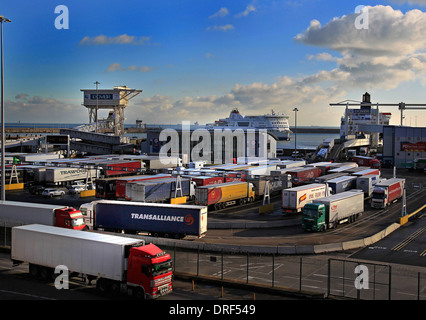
(69,218)
(149,271)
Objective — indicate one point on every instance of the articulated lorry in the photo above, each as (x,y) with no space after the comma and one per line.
(367,183)
(342,184)
(118,264)
(14,213)
(373,163)
(225,194)
(304,175)
(158,219)
(160,190)
(386,192)
(294,199)
(328,212)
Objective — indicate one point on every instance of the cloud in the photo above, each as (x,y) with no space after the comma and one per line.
(391,51)
(419,2)
(121,39)
(223,12)
(117,67)
(33,109)
(249,9)
(223,28)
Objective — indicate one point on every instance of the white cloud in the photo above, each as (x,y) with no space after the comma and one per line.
(37,109)
(223,12)
(249,9)
(391,51)
(121,39)
(117,67)
(223,28)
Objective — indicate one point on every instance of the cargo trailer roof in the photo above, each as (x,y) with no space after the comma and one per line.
(151,204)
(342,195)
(85,235)
(306,186)
(31,204)
(388,182)
(220,184)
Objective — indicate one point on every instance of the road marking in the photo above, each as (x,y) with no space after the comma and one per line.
(409,239)
(423,254)
(26,294)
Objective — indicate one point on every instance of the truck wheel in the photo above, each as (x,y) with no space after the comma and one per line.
(102,285)
(33,268)
(139,294)
(46,273)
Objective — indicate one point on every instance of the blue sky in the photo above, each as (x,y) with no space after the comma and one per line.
(196,60)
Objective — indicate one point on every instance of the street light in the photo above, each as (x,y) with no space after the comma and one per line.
(97,100)
(295,130)
(3,169)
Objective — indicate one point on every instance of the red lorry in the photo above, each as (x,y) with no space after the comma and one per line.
(386,192)
(304,175)
(206,180)
(364,161)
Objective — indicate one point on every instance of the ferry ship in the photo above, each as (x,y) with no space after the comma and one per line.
(274,123)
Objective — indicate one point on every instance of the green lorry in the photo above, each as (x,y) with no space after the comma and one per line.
(328,212)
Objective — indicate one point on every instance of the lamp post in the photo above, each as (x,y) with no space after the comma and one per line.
(3,169)
(97,100)
(295,130)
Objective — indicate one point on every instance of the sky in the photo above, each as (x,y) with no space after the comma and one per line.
(195,60)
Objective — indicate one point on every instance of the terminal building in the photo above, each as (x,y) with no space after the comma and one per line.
(402,145)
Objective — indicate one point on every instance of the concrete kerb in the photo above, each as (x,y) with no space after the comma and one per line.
(267,250)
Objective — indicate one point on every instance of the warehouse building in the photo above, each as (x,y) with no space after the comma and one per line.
(402,145)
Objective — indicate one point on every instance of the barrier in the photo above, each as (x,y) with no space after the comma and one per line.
(87,193)
(266,208)
(403,220)
(178,200)
(14,186)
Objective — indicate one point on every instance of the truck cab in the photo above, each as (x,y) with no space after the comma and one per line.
(69,218)
(313,217)
(149,271)
(379,198)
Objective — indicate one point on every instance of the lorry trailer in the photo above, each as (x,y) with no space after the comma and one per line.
(373,163)
(328,212)
(341,184)
(304,175)
(367,183)
(386,192)
(294,199)
(160,190)
(276,184)
(328,177)
(14,213)
(225,194)
(119,264)
(158,219)
(120,184)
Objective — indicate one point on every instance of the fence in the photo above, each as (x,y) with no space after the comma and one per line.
(310,274)
(307,274)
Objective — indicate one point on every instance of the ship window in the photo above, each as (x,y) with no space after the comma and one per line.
(243,124)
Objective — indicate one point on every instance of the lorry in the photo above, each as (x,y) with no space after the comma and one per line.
(276,184)
(207,180)
(367,183)
(366,172)
(120,183)
(261,170)
(119,264)
(294,199)
(340,184)
(328,212)
(158,219)
(417,164)
(327,177)
(222,195)
(15,213)
(304,175)
(160,190)
(365,161)
(386,192)
(62,175)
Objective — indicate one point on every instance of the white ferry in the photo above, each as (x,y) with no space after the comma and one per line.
(274,123)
